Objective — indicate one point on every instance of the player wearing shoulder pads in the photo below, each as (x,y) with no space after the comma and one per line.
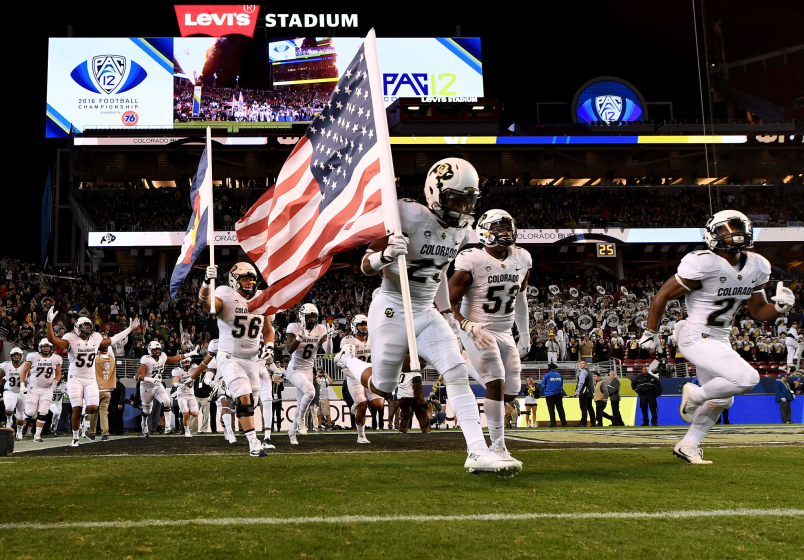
(82,347)
(715,283)
(44,368)
(13,397)
(183,382)
(431,237)
(55,405)
(152,366)
(363,397)
(487,293)
(240,334)
(268,370)
(303,340)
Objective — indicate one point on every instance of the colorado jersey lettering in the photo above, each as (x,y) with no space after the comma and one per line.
(711,308)
(304,356)
(43,370)
(82,354)
(495,285)
(431,248)
(153,368)
(184,391)
(12,375)
(240,332)
(362,349)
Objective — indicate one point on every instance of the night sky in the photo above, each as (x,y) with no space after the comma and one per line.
(542,54)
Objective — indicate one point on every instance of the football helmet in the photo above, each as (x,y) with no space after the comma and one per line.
(83,327)
(357,322)
(45,344)
(154,349)
(496,228)
(15,352)
(243,270)
(308,316)
(729,230)
(452,188)
(186,363)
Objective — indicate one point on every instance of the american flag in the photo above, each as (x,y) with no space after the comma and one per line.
(327,197)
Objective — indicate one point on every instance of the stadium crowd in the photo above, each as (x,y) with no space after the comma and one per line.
(533,207)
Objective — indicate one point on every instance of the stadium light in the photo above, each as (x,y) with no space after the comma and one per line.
(413,108)
(478,108)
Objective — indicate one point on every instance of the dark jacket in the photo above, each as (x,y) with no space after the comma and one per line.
(552,384)
(586,385)
(614,389)
(782,391)
(647,386)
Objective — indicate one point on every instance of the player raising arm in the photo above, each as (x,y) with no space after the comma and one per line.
(715,282)
(82,347)
(13,396)
(152,366)
(487,292)
(240,334)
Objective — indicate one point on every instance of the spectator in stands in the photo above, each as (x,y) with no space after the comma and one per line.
(649,388)
(785,398)
(553,348)
(587,349)
(585,392)
(553,391)
(573,350)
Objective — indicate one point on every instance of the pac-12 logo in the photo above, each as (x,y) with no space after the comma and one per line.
(130,118)
(418,84)
(108,73)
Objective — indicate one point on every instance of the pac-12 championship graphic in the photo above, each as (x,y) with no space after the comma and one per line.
(608,100)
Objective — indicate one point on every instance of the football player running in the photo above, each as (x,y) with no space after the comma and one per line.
(152,366)
(487,293)
(45,369)
(303,340)
(715,282)
(13,396)
(220,394)
(363,398)
(431,237)
(265,361)
(55,405)
(240,334)
(183,377)
(83,345)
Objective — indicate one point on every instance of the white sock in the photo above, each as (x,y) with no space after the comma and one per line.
(144,423)
(9,419)
(227,423)
(55,424)
(75,434)
(20,428)
(168,420)
(464,407)
(267,412)
(356,368)
(495,418)
(251,436)
(39,430)
(267,433)
(301,410)
(705,417)
(187,429)
(361,431)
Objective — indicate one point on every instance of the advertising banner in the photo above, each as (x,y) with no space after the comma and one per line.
(196,100)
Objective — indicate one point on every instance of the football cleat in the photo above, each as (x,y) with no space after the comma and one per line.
(266,444)
(488,461)
(257,451)
(499,448)
(168,432)
(19,436)
(74,443)
(56,433)
(692,455)
(230,437)
(188,434)
(362,439)
(302,430)
(38,439)
(687,409)
(292,438)
(347,351)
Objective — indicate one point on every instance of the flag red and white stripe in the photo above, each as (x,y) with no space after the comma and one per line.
(327,197)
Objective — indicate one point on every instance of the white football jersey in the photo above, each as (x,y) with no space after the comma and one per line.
(362,349)
(303,357)
(82,354)
(12,375)
(240,331)
(711,308)
(431,248)
(184,391)
(153,368)
(58,392)
(495,285)
(43,370)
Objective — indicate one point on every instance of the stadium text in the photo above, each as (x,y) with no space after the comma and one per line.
(450,99)
(311,20)
(216,21)
(110,103)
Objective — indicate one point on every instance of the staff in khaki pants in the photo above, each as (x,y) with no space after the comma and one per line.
(105,373)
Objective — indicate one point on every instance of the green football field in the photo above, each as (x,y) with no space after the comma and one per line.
(583,493)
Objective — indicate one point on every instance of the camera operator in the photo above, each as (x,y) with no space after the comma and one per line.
(437,414)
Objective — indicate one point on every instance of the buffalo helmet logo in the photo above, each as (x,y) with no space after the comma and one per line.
(108,238)
(444,171)
(389,312)
(108,70)
(609,107)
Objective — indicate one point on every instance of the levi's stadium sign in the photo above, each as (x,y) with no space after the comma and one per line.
(217,20)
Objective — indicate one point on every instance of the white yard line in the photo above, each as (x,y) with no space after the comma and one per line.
(226,521)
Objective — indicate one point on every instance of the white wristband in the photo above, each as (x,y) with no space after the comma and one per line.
(375,261)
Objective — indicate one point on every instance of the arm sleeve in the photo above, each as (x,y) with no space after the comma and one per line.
(121,335)
(442,297)
(521,316)
(462,262)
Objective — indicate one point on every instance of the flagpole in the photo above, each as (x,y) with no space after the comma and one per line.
(389,195)
(210,220)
